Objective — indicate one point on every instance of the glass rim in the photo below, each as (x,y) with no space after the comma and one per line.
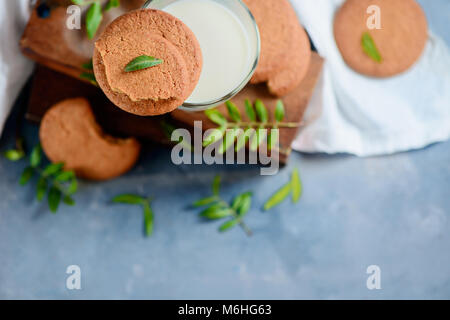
(209,104)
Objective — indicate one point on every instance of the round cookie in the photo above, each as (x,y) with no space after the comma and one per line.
(155,90)
(275,19)
(400,41)
(164,25)
(140,108)
(70,134)
(169,79)
(290,77)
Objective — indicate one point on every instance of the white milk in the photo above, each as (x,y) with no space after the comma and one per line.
(224,43)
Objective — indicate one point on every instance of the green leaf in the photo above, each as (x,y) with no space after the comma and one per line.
(68,200)
(78,2)
(65,176)
(296,185)
(258,139)
(216,211)
(216,185)
(94,17)
(273,139)
(167,128)
(142,62)
(228,140)
(278,197)
(36,156)
(370,48)
(279,111)
(73,187)
(228,225)
(89,77)
(262,135)
(148,219)
(14,155)
(52,169)
(214,136)
(241,204)
(54,198)
(205,201)
(261,111)
(254,142)
(41,188)
(112,4)
(88,66)
(215,116)
(241,141)
(249,110)
(128,199)
(26,176)
(233,111)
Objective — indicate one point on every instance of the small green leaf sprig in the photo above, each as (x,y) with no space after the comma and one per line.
(16,154)
(218,209)
(133,199)
(168,129)
(53,181)
(370,48)
(293,187)
(258,116)
(142,62)
(94,15)
(88,74)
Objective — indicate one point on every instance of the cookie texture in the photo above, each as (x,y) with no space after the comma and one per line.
(140,108)
(285,47)
(158,89)
(400,41)
(167,80)
(289,77)
(275,19)
(70,134)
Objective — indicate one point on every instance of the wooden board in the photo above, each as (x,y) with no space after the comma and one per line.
(50,87)
(295,105)
(51,44)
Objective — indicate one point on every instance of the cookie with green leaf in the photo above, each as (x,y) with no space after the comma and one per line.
(147,62)
(381,38)
(69,134)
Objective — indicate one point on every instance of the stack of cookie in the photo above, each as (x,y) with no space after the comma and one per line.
(285,47)
(155,90)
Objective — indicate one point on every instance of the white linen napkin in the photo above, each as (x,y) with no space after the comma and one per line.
(14,67)
(351,113)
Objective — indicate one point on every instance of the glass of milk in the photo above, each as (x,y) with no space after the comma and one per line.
(230,44)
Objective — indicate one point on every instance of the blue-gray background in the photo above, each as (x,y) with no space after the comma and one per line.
(391,211)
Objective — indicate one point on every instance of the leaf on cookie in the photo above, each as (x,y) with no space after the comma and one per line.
(370,48)
(142,62)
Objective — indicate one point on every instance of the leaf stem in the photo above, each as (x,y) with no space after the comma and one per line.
(243,225)
(52,182)
(272,125)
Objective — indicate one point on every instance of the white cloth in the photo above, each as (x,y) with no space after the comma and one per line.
(14,67)
(351,113)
